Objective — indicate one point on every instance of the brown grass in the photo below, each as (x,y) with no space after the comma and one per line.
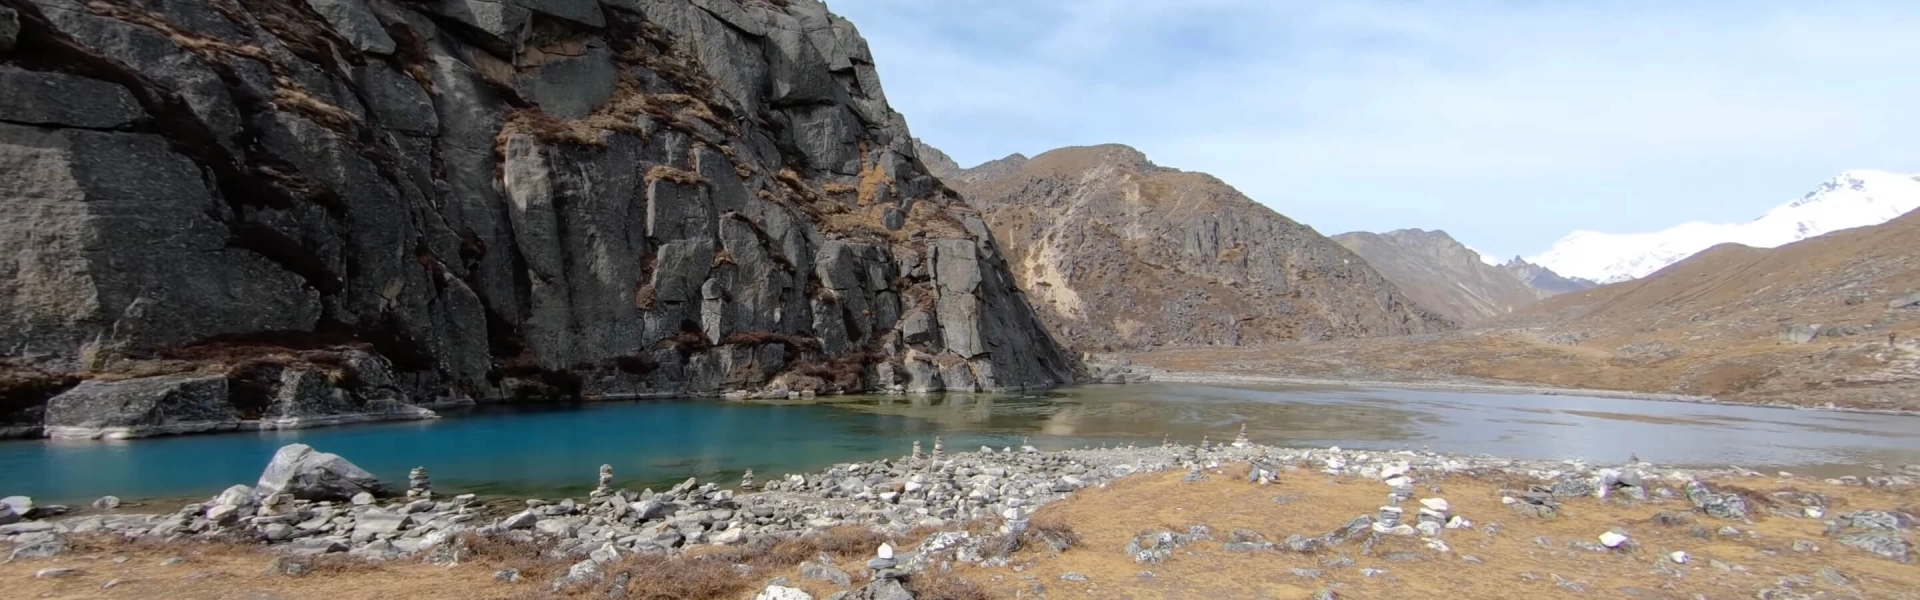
(290,97)
(667,173)
(1106,518)
(643,296)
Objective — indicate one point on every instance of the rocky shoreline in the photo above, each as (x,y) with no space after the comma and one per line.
(311,503)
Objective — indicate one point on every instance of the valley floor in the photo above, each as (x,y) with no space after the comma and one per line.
(1501,553)
(1861,372)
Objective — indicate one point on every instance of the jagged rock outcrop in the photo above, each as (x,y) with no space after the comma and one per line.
(1440,273)
(1117,252)
(1545,280)
(528,199)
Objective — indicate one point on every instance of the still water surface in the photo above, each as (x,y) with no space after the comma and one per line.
(555,451)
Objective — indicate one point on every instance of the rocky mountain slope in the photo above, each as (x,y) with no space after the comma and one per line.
(1832,319)
(1854,198)
(499,199)
(1117,252)
(1543,279)
(1441,273)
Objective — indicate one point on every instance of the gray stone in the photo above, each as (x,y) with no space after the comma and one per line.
(507,576)
(306,474)
(1722,506)
(1907,300)
(57,572)
(355,22)
(1875,519)
(825,572)
(57,99)
(44,545)
(107,503)
(781,592)
(8,516)
(377,521)
(146,406)
(20,505)
(1886,544)
(521,520)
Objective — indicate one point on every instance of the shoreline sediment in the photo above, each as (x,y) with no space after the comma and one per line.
(1221,378)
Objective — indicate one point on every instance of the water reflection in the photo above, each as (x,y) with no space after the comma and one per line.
(556,450)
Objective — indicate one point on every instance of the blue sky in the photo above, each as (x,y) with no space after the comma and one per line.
(1506,123)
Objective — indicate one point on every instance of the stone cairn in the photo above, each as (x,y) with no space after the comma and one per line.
(746,480)
(419,486)
(605,488)
(1241,441)
(1204,444)
(1166,440)
(939,449)
(917,455)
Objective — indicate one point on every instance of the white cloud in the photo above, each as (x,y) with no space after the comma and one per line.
(1504,123)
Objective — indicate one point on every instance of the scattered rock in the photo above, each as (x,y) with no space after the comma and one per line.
(1612,539)
(1886,544)
(57,572)
(107,503)
(781,592)
(824,572)
(507,575)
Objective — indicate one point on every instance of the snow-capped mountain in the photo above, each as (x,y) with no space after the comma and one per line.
(1855,198)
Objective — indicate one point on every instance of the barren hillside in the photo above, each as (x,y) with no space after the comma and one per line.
(1441,273)
(1116,252)
(1830,319)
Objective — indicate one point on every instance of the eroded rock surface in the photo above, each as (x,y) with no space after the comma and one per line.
(501,199)
(1119,253)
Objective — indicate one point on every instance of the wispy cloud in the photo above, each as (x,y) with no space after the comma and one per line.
(1506,123)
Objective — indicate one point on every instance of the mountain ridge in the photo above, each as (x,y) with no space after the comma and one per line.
(1118,252)
(1441,273)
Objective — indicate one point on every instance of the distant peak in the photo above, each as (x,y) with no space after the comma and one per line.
(1082,158)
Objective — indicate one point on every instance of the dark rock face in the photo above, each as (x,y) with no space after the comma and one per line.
(1119,253)
(524,199)
(142,407)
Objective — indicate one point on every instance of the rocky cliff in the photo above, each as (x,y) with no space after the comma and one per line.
(1117,252)
(1547,282)
(499,198)
(1441,273)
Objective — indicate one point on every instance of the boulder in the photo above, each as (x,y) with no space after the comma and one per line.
(781,592)
(306,474)
(148,406)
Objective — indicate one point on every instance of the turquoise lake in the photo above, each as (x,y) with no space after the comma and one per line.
(556,451)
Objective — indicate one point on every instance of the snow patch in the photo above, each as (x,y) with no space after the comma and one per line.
(1855,198)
